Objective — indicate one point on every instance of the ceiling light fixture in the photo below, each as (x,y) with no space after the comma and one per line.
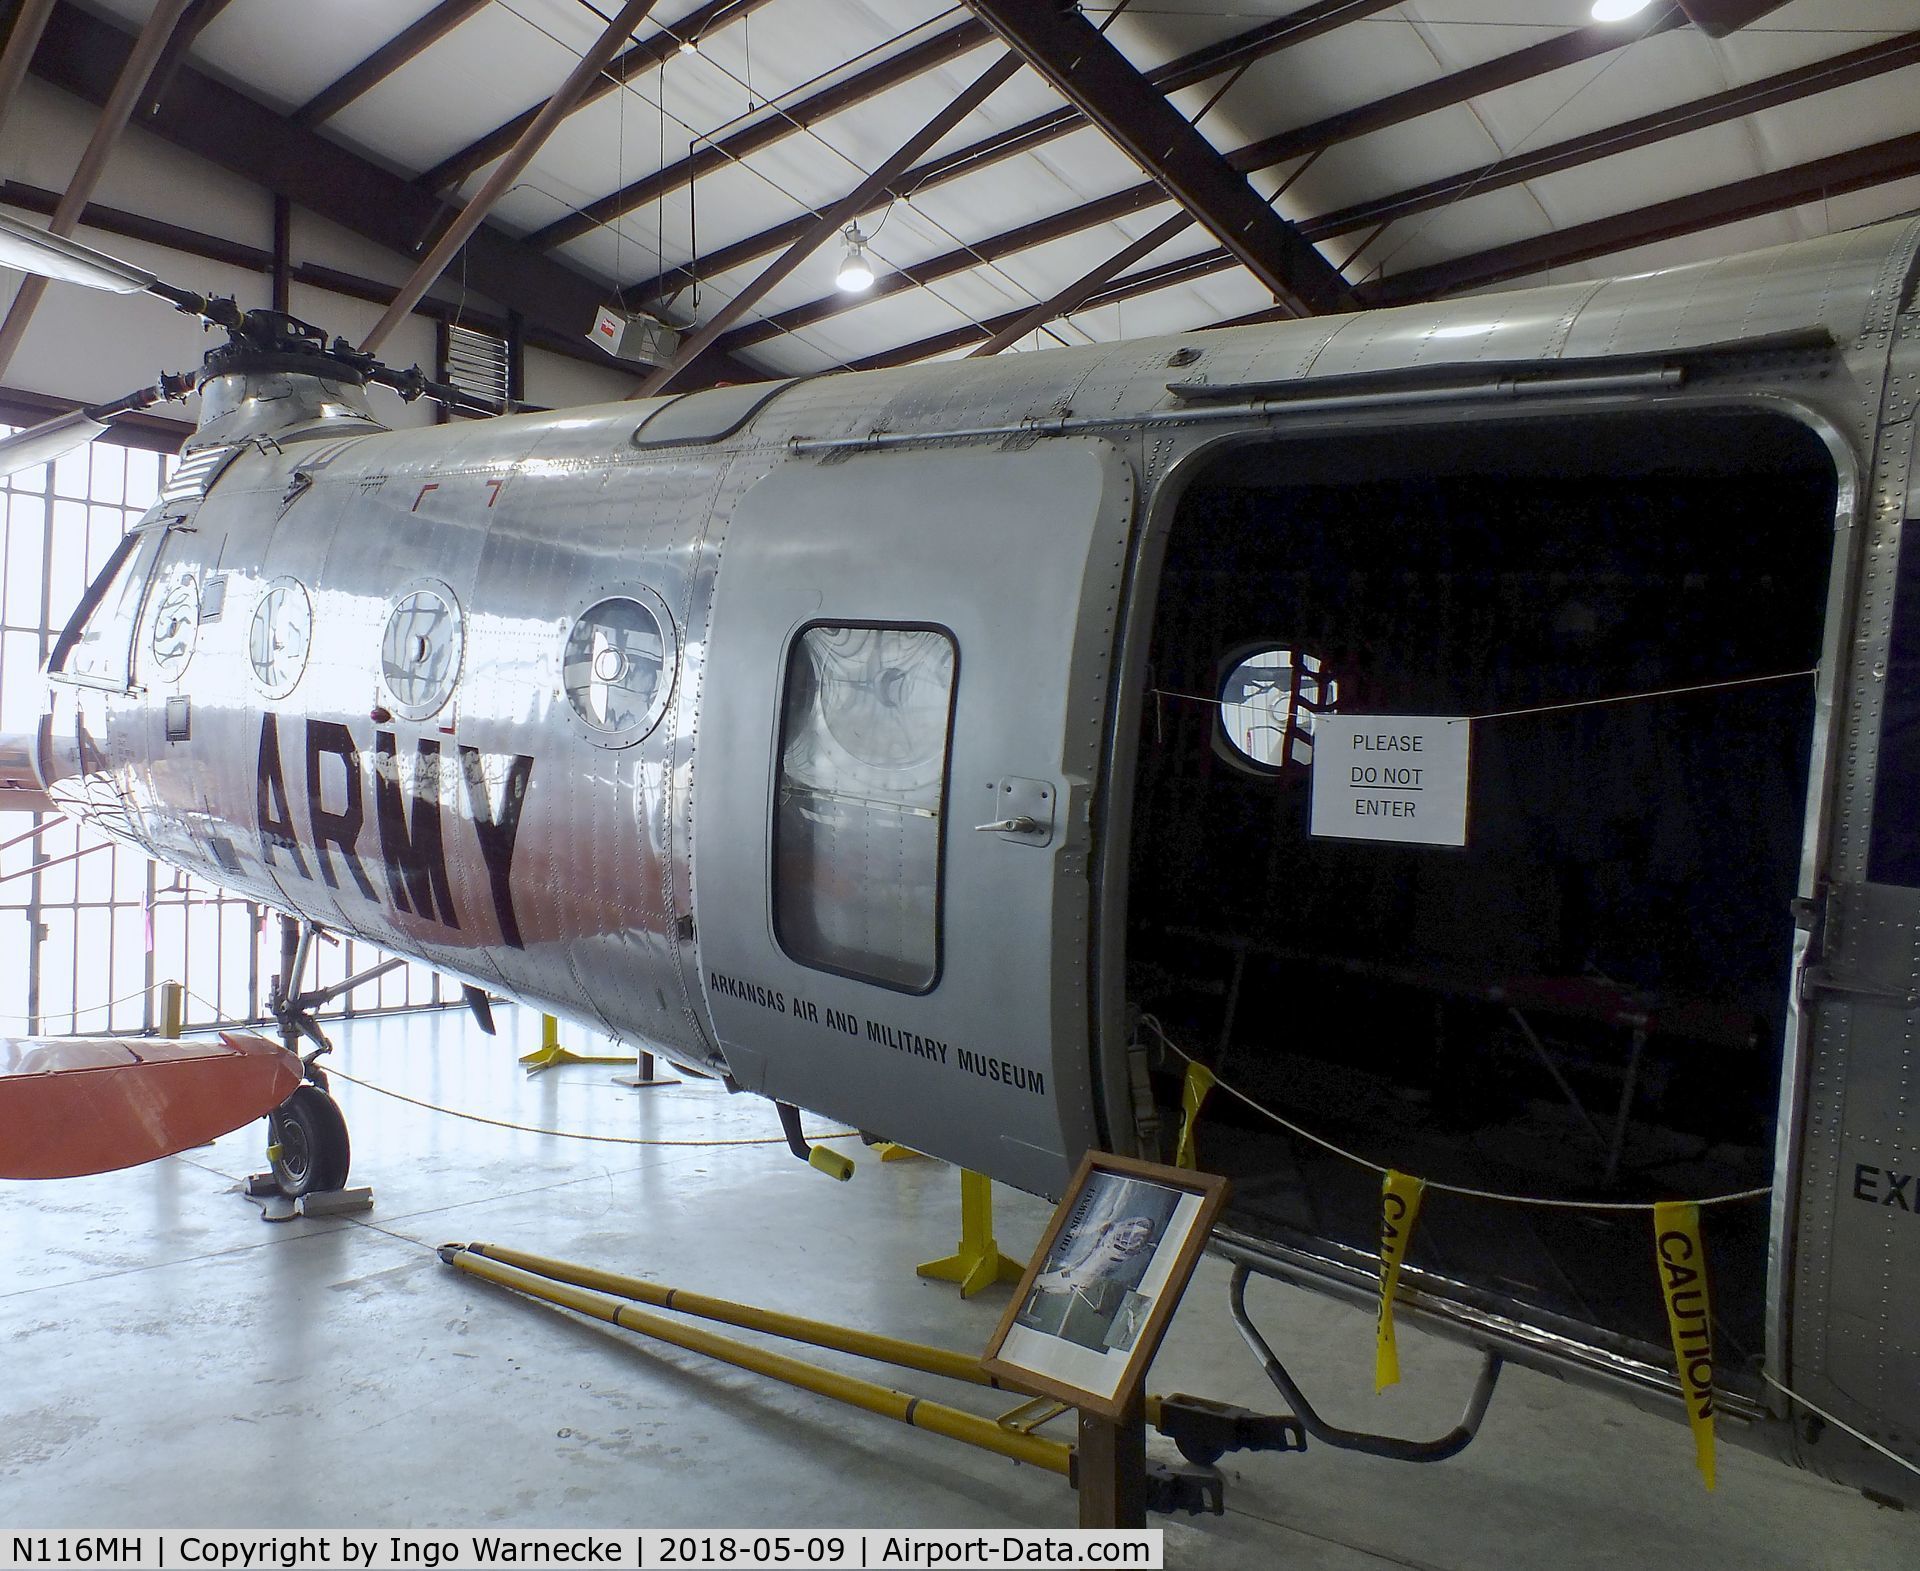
(856,272)
(1618,10)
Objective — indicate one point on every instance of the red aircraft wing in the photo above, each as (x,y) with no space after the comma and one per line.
(76,1105)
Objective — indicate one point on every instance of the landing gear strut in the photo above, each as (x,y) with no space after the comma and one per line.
(307,1145)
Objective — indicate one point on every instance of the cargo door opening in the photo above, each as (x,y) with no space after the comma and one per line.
(1590,999)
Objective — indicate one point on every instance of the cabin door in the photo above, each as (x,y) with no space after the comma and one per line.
(900,723)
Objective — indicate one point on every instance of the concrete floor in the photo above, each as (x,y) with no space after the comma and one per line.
(169,1359)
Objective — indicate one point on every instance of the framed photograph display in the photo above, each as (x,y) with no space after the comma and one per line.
(1096,1299)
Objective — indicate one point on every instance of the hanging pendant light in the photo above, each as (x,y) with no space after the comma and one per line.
(856,272)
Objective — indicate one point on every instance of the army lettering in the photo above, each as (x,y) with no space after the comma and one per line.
(899,1038)
(329,739)
(498,829)
(414,854)
(1878,1187)
(407,821)
(271,809)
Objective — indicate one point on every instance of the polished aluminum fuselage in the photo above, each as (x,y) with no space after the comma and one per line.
(618,885)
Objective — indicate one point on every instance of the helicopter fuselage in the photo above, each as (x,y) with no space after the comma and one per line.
(791,731)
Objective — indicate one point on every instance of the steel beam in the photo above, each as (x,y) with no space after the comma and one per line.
(1242,49)
(1505,71)
(199,17)
(829,224)
(1474,81)
(1717,18)
(1082,288)
(22,38)
(1897,158)
(253,259)
(81,54)
(1821,76)
(1097,79)
(777,126)
(643,56)
(130,83)
(1163,275)
(962,259)
(508,170)
(406,45)
(1881,163)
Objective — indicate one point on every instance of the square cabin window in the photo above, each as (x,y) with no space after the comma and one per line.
(861,802)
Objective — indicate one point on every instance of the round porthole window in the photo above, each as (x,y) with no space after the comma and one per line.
(176,626)
(617,668)
(1269,700)
(421,649)
(280,636)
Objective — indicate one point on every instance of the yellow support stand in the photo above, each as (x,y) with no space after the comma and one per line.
(978,1263)
(893,1151)
(550,1052)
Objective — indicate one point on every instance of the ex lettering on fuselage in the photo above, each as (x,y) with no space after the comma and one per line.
(408,828)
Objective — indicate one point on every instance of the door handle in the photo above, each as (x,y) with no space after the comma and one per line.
(1019,824)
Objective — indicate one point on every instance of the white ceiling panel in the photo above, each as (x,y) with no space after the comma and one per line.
(1479,223)
(279,51)
(1699,161)
(486,71)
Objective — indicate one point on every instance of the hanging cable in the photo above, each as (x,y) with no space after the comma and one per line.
(1495,1195)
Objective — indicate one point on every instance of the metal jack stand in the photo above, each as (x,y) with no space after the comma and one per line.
(978,1263)
(647,1076)
(550,1054)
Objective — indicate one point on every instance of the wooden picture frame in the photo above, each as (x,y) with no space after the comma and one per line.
(1098,1295)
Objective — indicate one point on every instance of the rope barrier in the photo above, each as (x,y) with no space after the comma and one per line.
(1577,703)
(1495,1195)
(1841,1424)
(335,1072)
(83,1009)
(569,1134)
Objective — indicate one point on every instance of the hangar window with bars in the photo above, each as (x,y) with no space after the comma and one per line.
(88,928)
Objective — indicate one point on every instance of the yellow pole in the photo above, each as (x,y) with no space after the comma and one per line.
(173,999)
(795,1328)
(550,1052)
(953,1423)
(978,1262)
(922,1356)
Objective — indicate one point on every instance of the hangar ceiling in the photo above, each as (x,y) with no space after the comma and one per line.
(1100,171)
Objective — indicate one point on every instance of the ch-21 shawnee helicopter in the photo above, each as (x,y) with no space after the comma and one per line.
(933,748)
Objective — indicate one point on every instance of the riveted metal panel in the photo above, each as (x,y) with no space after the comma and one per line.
(1851,1243)
(1017,558)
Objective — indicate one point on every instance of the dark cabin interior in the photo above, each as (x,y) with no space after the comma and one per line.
(1589,999)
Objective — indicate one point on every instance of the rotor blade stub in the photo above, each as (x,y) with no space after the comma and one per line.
(67,261)
(50,440)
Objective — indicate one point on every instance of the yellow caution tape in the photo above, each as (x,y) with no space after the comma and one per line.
(1683,1284)
(1193,1096)
(1399,1209)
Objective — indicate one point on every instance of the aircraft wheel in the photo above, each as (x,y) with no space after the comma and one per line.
(311,1152)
